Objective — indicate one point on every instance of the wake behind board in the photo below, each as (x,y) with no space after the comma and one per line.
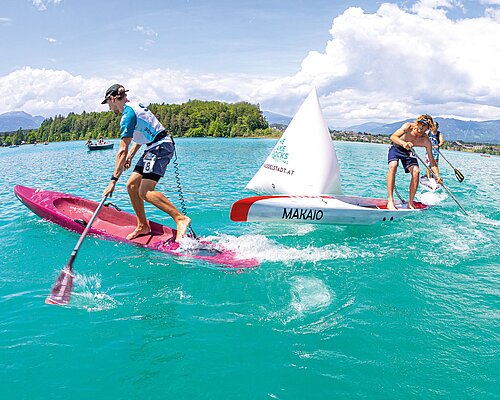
(335,210)
(430,183)
(73,213)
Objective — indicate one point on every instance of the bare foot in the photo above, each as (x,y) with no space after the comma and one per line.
(139,231)
(411,205)
(390,205)
(182,226)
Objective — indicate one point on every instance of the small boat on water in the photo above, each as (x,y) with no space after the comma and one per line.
(101,146)
(13,146)
(300,181)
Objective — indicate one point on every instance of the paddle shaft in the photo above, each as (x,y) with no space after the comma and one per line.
(397,193)
(442,184)
(84,233)
(458,174)
(61,290)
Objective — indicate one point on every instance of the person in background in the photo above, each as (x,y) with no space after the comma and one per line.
(411,134)
(139,124)
(101,140)
(88,142)
(437,140)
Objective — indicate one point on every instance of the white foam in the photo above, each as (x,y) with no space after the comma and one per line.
(431,198)
(265,249)
(309,294)
(481,219)
(89,296)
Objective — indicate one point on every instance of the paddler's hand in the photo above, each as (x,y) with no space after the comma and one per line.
(439,180)
(127,164)
(109,190)
(408,145)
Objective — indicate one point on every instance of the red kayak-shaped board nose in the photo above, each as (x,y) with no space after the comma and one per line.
(73,212)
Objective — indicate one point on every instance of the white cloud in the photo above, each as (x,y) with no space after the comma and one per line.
(49,92)
(51,40)
(5,21)
(433,7)
(387,66)
(148,43)
(394,64)
(41,5)
(146,31)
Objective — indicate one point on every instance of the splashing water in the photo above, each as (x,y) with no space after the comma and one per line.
(89,296)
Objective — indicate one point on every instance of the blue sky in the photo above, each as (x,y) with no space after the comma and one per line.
(89,37)
(369,60)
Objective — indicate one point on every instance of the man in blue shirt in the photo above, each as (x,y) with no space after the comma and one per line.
(139,124)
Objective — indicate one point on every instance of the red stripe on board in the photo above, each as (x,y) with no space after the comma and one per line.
(240,209)
(420,206)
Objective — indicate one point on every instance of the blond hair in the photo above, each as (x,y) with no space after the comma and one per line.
(427,119)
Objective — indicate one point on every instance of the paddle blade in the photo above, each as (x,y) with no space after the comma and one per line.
(61,291)
(459,175)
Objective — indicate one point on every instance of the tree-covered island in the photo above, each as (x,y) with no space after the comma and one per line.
(195,118)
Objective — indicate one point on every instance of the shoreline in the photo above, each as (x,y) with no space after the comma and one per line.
(475,148)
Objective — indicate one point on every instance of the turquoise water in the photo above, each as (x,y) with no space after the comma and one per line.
(404,309)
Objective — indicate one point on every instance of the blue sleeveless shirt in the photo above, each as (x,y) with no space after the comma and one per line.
(139,123)
(434,138)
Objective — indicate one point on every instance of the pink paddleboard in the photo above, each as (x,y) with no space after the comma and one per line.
(73,213)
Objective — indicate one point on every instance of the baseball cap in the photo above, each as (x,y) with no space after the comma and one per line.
(113,90)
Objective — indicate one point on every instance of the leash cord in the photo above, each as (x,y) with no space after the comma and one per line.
(179,190)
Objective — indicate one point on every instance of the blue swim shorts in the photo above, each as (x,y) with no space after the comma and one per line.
(400,153)
(153,162)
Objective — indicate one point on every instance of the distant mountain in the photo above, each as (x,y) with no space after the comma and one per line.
(12,121)
(453,129)
(273,118)
(366,127)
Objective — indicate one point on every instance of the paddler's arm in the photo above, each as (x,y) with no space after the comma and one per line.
(432,161)
(133,150)
(121,157)
(396,137)
(441,139)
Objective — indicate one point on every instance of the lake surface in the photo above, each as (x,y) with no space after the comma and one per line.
(403,309)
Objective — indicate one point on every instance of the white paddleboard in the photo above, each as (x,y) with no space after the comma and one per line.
(430,183)
(335,210)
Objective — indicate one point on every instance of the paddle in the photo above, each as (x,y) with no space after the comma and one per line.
(397,193)
(61,290)
(458,174)
(435,177)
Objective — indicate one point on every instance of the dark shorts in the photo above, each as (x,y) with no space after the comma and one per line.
(153,163)
(399,153)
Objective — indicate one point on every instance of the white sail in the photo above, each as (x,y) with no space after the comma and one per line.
(304,161)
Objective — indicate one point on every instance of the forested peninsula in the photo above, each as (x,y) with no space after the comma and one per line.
(194,118)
